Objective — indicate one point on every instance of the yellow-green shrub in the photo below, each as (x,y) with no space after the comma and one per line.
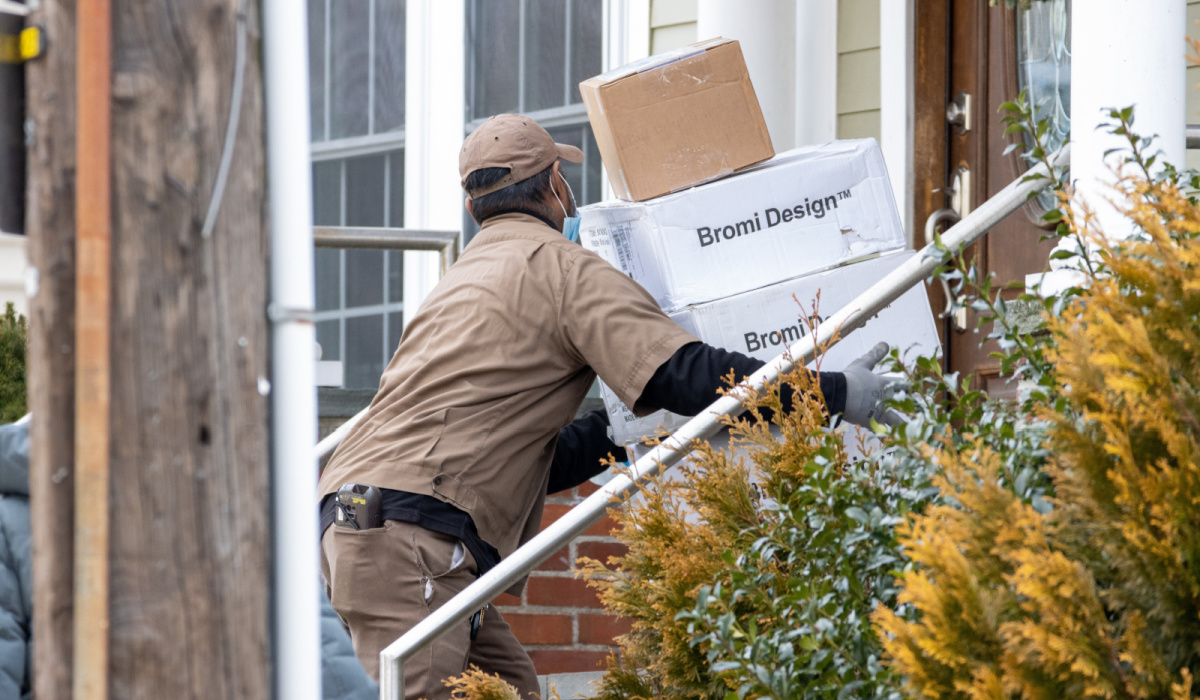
(1098,597)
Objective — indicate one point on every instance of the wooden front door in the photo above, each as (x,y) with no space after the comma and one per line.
(966,50)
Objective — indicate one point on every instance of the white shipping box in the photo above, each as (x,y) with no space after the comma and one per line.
(802,211)
(764,322)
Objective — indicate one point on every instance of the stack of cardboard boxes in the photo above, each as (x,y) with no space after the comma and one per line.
(734,242)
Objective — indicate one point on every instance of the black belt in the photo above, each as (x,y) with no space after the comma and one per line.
(430,513)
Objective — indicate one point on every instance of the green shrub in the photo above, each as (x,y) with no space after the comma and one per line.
(757,574)
(13,345)
(1097,596)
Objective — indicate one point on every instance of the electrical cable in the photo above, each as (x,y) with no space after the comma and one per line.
(235,113)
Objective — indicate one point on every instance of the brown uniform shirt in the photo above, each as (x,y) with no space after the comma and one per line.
(495,363)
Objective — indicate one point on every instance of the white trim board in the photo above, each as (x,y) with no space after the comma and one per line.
(896,58)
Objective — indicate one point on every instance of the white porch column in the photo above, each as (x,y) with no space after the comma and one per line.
(433,106)
(896,58)
(626,29)
(815,103)
(766,30)
(1124,52)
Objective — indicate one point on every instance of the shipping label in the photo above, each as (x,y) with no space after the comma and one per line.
(614,243)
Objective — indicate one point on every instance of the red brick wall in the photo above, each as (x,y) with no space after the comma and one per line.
(558,618)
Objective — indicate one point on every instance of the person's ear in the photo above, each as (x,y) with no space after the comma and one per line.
(467,204)
(556,179)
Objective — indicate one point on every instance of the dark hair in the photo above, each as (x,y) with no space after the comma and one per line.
(526,194)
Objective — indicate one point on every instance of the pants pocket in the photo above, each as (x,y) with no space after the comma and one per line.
(438,555)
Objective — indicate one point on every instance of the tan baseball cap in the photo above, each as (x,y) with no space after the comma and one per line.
(511,141)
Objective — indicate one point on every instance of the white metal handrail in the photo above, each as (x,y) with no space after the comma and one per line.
(973,227)
(443,242)
(325,447)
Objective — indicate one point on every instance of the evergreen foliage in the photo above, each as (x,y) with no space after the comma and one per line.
(1097,596)
(755,574)
(475,684)
(13,345)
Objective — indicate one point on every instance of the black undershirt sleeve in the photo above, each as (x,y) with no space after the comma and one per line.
(685,384)
(581,446)
(688,382)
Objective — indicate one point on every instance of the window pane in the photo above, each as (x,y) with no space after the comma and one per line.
(1044,72)
(395,276)
(329,278)
(328,333)
(545,54)
(1044,68)
(395,330)
(493,39)
(316,67)
(364,352)
(594,185)
(396,189)
(572,135)
(389,65)
(585,43)
(327,193)
(364,278)
(364,190)
(349,28)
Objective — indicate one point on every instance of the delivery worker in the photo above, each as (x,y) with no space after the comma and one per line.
(472,424)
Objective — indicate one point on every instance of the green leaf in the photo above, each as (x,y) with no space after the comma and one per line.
(856,513)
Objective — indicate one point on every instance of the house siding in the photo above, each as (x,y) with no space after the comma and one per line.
(672,24)
(858,74)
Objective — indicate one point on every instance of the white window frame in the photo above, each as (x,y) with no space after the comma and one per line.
(567,115)
(344,313)
(343,149)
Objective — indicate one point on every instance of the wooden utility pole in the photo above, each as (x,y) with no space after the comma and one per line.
(188,562)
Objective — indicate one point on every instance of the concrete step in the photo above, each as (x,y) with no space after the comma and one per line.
(570,685)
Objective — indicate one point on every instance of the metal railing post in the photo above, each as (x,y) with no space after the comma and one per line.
(973,227)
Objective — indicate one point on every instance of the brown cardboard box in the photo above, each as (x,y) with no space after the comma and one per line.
(677,119)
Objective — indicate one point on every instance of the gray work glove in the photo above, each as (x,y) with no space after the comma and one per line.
(866,391)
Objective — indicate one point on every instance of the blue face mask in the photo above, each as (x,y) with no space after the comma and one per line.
(571,228)
(570,223)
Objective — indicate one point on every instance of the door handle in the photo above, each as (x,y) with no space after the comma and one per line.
(958,112)
(949,217)
(945,215)
(959,194)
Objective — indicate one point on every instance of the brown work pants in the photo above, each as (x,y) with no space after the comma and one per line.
(383,581)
